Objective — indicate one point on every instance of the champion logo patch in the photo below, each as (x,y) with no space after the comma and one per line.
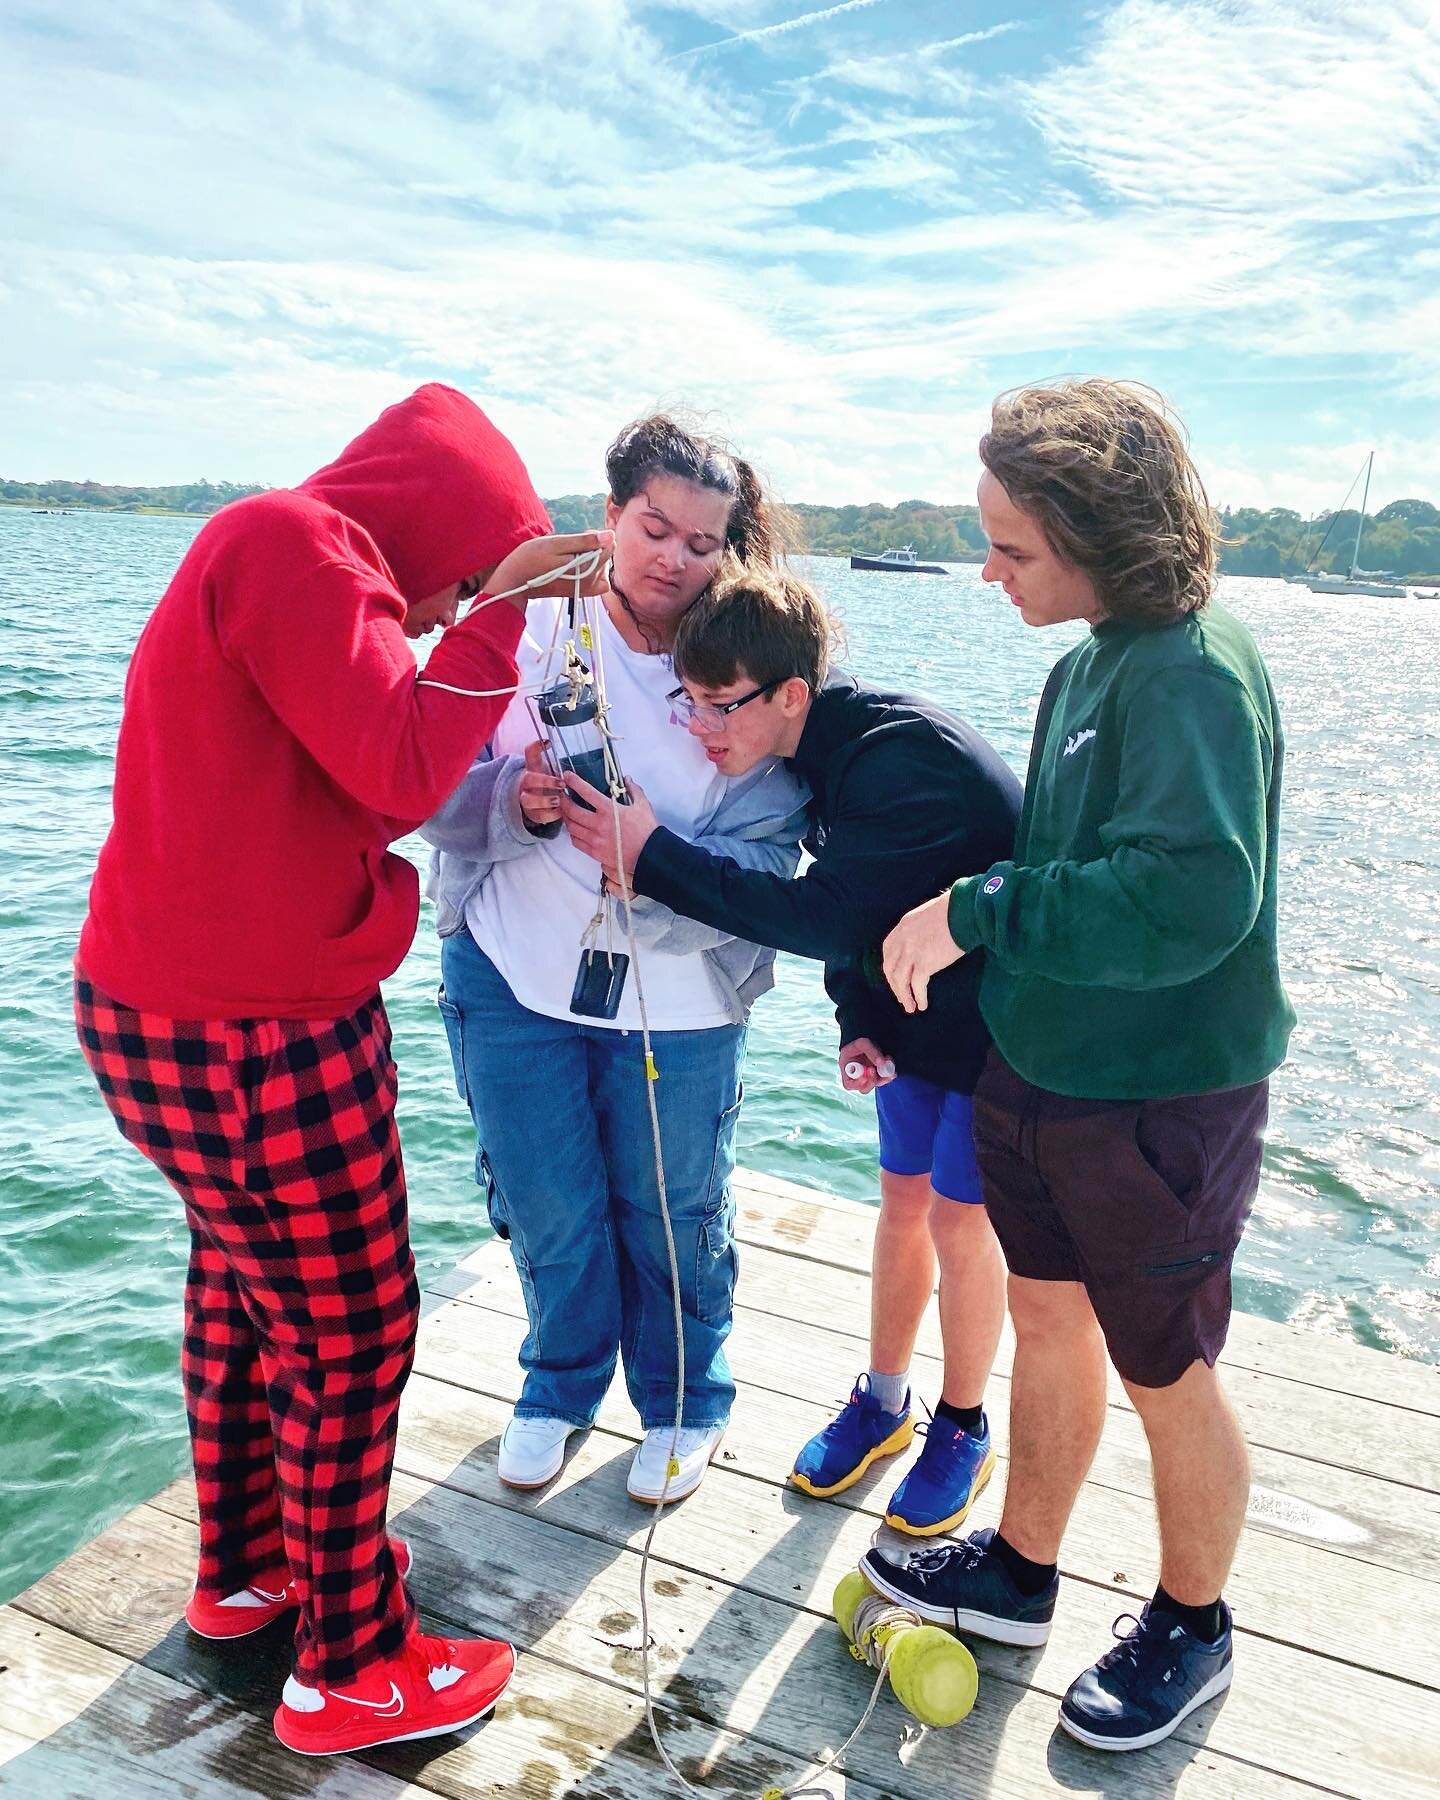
(994,884)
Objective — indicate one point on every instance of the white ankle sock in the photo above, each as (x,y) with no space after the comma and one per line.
(890,1390)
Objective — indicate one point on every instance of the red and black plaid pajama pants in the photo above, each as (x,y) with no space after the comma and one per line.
(301,1303)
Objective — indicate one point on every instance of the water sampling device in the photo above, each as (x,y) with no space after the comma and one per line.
(569,715)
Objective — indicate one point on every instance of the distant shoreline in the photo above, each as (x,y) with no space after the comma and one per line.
(1264,545)
(128,512)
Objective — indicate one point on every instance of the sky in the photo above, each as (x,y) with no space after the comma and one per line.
(231,233)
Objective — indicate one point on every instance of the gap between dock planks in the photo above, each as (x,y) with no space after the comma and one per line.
(102,1692)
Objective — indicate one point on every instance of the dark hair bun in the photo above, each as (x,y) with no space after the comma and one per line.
(661,445)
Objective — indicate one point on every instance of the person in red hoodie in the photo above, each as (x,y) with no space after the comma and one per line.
(276,738)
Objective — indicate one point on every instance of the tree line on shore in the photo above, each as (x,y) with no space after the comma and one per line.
(198,497)
(1403,537)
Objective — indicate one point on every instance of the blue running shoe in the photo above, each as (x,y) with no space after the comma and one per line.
(965,1588)
(838,1456)
(952,1468)
(1154,1677)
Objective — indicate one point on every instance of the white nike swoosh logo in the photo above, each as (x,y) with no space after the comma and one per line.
(265,1594)
(387,1709)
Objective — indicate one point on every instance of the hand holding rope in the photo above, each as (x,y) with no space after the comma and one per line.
(584,572)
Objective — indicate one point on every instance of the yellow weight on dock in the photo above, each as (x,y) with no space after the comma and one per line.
(933,1675)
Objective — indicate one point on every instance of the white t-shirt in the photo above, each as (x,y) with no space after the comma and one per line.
(531,911)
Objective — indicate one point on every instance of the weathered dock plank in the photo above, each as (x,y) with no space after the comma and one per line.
(103,1692)
(758,1535)
(1282,1578)
(778,1214)
(776,1674)
(203,1711)
(1357,1432)
(90,1723)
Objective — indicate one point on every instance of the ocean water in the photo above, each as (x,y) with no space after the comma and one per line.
(1346,1236)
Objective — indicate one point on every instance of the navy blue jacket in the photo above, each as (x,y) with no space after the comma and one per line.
(907,798)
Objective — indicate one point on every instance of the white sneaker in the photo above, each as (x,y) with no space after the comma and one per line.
(693,1450)
(532,1451)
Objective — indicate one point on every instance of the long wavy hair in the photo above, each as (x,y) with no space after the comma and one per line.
(1104,469)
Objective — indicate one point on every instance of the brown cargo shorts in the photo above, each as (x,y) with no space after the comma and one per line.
(1143,1201)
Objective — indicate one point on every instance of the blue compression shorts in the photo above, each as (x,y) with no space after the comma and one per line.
(925,1130)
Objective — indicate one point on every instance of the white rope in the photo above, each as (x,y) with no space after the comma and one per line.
(652,1075)
(578,569)
(614,782)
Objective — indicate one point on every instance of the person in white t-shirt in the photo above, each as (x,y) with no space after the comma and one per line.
(559,1095)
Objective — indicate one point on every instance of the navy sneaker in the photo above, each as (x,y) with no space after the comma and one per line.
(838,1456)
(965,1588)
(952,1468)
(1154,1677)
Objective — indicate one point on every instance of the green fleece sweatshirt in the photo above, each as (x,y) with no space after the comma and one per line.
(1131,941)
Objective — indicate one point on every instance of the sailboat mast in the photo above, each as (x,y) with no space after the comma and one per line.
(1360,523)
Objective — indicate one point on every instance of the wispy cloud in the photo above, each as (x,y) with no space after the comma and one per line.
(846,69)
(780,29)
(1268,105)
(917,76)
(222,248)
(1312,126)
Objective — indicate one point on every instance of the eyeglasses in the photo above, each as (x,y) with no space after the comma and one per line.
(715,718)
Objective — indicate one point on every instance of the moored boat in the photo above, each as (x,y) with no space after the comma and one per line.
(897,562)
(1356,584)
(1375,582)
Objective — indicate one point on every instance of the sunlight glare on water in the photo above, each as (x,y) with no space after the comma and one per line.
(92,1243)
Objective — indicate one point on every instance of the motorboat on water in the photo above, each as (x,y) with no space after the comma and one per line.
(897,562)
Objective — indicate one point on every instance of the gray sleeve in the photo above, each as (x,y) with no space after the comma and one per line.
(773,849)
(482,821)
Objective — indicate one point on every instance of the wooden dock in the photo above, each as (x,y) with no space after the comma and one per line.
(104,1693)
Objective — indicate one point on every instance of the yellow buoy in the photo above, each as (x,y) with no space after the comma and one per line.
(933,1675)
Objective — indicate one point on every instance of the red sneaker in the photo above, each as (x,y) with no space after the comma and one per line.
(432,1686)
(255,1607)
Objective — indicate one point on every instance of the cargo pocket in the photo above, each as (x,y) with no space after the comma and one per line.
(499,1216)
(1170,1137)
(455,1035)
(1192,1261)
(716,1264)
(716,1258)
(494,1201)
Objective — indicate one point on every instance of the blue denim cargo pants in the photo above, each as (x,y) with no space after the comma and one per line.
(566,1158)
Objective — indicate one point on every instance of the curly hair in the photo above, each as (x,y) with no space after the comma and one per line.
(1104,469)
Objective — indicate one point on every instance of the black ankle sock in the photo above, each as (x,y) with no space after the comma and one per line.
(1203,1622)
(966,1417)
(1031,1578)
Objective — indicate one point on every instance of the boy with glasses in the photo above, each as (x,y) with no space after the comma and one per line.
(906,799)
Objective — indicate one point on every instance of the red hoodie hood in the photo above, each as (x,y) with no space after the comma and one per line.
(439,489)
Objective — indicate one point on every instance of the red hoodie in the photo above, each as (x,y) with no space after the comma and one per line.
(274,740)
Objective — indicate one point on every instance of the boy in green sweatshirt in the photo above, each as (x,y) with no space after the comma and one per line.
(1133,992)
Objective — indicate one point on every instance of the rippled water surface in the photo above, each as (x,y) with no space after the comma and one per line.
(92,1245)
